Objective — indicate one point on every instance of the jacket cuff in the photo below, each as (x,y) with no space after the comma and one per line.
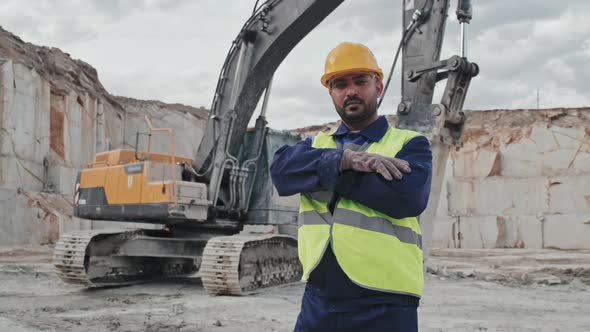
(329,168)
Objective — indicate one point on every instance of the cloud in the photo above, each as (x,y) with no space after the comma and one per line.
(173,50)
(113,10)
(61,24)
(541,53)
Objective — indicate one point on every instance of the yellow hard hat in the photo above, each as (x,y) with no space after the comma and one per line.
(350,57)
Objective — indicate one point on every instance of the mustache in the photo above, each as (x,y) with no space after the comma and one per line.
(350,99)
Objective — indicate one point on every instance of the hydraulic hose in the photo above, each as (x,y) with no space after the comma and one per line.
(417,17)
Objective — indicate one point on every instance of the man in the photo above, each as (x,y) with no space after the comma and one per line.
(362,188)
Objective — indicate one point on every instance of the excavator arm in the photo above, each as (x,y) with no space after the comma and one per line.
(441,123)
(266,39)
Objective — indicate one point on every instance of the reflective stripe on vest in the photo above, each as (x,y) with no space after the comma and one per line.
(374,250)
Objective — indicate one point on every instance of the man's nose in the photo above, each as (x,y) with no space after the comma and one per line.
(351,90)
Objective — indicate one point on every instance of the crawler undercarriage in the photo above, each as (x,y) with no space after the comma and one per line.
(235,265)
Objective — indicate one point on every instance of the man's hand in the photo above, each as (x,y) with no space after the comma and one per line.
(389,168)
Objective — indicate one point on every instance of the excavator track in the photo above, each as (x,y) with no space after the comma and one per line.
(242,264)
(95,259)
(232,265)
(69,256)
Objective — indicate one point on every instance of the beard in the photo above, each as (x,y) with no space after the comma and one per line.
(356,110)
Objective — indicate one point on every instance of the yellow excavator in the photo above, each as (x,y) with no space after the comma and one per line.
(204,202)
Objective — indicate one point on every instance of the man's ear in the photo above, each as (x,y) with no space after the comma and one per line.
(379,87)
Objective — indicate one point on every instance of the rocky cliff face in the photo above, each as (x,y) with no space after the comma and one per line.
(63,73)
(522,179)
(548,143)
(55,115)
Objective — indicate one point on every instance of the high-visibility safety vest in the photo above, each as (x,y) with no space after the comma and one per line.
(375,250)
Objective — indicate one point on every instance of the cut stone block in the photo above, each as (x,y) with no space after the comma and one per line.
(568,138)
(558,162)
(544,139)
(521,159)
(477,164)
(498,196)
(511,196)
(523,231)
(581,164)
(478,232)
(567,231)
(569,194)
(461,198)
(501,232)
(530,197)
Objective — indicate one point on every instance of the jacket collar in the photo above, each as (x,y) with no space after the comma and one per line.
(375,131)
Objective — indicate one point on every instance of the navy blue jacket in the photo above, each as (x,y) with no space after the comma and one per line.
(301,168)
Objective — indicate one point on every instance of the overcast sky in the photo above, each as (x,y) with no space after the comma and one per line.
(173,50)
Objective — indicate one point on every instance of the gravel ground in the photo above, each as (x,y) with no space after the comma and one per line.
(497,290)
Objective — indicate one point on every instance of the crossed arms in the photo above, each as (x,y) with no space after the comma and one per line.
(301,168)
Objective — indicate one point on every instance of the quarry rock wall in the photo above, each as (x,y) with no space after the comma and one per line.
(521,180)
(54,117)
